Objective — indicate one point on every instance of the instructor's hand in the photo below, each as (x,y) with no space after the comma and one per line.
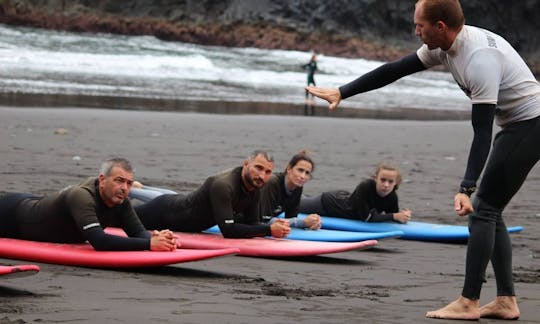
(332,95)
(462,204)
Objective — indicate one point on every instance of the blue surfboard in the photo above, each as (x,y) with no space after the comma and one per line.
(324,235)
(420,231)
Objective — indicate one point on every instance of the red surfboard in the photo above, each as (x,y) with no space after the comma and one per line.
(21,270)
(86,256)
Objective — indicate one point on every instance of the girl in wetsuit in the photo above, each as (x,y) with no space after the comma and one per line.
(373,200)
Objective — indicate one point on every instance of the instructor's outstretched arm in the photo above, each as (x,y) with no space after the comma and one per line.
(332,95)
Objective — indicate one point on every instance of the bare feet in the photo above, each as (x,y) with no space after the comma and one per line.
(503,307)
(462,308)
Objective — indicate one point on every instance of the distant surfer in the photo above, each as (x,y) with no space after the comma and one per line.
(311,67)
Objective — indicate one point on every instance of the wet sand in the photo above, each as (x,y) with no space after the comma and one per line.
(396,282)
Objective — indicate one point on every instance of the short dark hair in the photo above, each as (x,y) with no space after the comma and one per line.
(107,165)
(264,153)
(447,11)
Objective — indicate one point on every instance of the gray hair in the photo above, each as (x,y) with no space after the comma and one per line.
(107,166)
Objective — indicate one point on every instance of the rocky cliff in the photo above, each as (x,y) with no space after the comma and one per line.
(372,29)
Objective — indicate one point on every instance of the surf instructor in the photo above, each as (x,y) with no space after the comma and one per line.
(80,213)
(501,88)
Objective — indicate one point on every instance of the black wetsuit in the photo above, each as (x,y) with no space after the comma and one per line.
(222,199)
(501,87)
(363,204)
(311,67)
(276,199)
(73,215)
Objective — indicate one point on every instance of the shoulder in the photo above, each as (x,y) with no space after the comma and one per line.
(225,181)
(367,183)
(429,57)
(79,195)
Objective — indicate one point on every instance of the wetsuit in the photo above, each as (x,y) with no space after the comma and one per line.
(363,204)
(222,199)
(277,199)
(73,215)
(311,67)
(501,87)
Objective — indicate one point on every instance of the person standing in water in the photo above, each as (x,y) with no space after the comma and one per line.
(311,67)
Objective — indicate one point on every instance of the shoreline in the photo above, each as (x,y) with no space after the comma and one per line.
(320,109)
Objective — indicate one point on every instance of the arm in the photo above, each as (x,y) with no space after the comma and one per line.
(482,121)
(163,240)
(365,204)
(102,241)
(221,199)
(381,76)
(82,207)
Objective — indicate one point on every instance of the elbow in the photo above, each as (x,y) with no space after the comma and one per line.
(99,246)
(228,231)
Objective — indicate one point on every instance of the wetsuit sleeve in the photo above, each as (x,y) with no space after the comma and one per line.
(221,196)
(374,216)
(293,204)
(82,207)
(389,204)
(131,223)
(293,222)
(482,121)
(270,199)
(359,203)
(362,207)
(102,241)
(383,75)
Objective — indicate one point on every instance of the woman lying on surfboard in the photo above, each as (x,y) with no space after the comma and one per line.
(282,193)
(373,200)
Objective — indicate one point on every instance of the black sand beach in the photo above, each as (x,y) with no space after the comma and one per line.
(396,282)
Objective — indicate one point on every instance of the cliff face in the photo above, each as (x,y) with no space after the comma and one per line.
(373,29)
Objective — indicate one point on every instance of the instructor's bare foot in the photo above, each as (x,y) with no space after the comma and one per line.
(462,308)
(503,307)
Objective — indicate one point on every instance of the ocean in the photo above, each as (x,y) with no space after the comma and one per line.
(37,61)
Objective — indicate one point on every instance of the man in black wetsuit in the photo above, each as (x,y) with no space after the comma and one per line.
(79,213)
(229,199)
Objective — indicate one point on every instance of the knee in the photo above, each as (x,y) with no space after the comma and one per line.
(484,211)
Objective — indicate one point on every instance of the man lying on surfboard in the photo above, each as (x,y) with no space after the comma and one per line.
(229,199)
(80,213)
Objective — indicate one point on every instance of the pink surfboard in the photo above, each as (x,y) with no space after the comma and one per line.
(262,246)
(84,254)
(21,270)
(268,247)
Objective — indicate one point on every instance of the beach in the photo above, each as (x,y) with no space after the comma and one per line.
(45,149)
